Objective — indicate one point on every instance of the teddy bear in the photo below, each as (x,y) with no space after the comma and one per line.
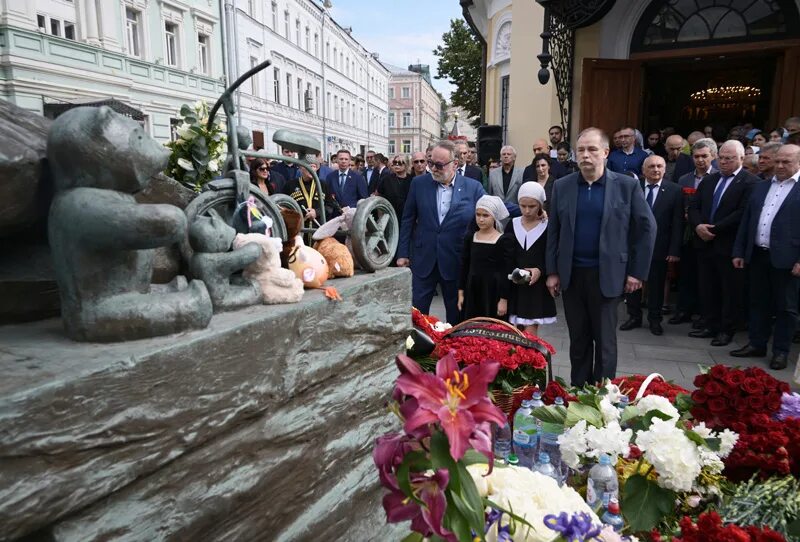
(277,285)
(102,240)
(340,261)
(214,263)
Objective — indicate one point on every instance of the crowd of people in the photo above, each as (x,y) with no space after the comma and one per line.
(708,221)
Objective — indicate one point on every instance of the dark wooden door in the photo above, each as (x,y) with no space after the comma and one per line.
(787,87)
(611,94)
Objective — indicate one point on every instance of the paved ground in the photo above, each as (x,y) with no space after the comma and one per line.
(674,355)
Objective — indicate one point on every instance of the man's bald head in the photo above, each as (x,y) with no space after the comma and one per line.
(540,146)
(674,145)
(694,136)
(787,162)
(654,168)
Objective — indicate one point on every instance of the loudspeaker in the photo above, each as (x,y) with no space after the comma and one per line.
(490,141)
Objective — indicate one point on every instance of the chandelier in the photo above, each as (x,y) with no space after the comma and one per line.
(731,94)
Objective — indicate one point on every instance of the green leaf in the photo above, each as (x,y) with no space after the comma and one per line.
(472,457)
(186,110)
(645,504)
(551,414)
(578,411)
(590,399)
(413,537)
(683,402)
(456,522)
(511,513)
(713,444)
(644,422)
(404,481)
(472,499)
(507,388)
(793,529)
(694,437)
(440,451)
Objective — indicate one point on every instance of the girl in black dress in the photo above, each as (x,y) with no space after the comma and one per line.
(523,244)
(482,262)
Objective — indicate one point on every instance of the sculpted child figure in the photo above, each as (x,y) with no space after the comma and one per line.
(102,240)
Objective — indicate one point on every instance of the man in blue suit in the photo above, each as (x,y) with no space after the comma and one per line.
(344,185)
(439,208)
(600,241)
(768,241)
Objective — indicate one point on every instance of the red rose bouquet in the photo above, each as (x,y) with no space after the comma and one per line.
(555,389)
(630,384)
(709,527)
(765,446)
(428,324)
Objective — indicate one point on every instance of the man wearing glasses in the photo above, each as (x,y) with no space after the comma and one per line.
(628,157)
(419,164)
(438,210)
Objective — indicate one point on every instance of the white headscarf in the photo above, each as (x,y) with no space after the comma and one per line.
(496,208)
(532,189)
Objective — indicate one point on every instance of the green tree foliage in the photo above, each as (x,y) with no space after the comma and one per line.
(459,62)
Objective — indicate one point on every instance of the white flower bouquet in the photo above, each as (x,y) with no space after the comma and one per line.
(198,152)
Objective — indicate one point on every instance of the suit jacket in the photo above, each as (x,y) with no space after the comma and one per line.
(683,165)
(423,239)
(496,184)
(784,236)
(668,213)
(377,179)
(355,188)
(473,172)
(729,212)
(627,232)
(687,179)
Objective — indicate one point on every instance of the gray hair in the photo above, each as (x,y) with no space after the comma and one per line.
(771,147)
(735,145)
(603,137)
(752,159)
(509,148)
(447,145)
(705,143)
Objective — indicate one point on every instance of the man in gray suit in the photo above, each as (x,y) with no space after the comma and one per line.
(504,182)
(600,242)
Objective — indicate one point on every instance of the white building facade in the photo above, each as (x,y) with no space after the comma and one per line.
(151,55)
(322,82)
(415,110)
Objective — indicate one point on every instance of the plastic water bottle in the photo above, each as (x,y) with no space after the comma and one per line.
(536,402)
(602,485)
(548,442)
(612,516)
(545,467)
(502,441)
(512,459)
(525,436)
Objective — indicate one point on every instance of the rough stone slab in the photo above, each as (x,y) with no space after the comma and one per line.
(208,434)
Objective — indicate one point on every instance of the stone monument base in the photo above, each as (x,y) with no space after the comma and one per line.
(259,427)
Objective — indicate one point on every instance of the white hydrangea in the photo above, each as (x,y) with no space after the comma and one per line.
(213,166)
(573,445)
(611,440)
(609,412)
(657,402)
(614,394)
(729,439)
(674,456)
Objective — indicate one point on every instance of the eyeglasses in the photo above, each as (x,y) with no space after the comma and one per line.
(439,165)
(420,161)
(263,168)
(398,163)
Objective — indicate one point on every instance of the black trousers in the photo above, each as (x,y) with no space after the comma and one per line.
(721,291)
(688,295)
(773,293)
(592,323)
(655,294)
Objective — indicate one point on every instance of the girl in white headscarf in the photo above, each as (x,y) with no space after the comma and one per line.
(530,304)
(482,261)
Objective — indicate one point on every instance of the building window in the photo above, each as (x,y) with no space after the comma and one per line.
(289,89)
(391,119)
(276,85)
(328,112)
(286,25)
(341,62)
(405,92)
(317,103)
(41,22)
(505,85)
(391,93)
(133,27)
(275,17)
(297,37)
(316,45)
(308,39)
(202,54)
(335,57)
(69,30)
(406,148)
(300,98)
(171,44)
(406,119)
(251,7)
(55,27)
(255,91)
(391,148)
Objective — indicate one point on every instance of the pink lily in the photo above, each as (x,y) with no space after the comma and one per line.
(456,399)
(425,519)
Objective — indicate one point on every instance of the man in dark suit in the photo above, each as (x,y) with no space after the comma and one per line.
(464,169)
(557,169)
(439,208)
(344,185)
(704,152)
(665,199)
(767,241)
(599,244)
(288,171)
(678,164)
(715,212)
(382,170)
(371,166)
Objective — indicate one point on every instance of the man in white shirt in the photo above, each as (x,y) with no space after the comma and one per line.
(766,242)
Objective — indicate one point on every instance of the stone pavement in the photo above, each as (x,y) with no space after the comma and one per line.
(674,355)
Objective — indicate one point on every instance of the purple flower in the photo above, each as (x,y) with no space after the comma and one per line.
(503,531)
(578,528)
(790,406)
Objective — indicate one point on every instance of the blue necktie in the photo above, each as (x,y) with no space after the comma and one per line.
(717,197)
(342,179)
(650,194)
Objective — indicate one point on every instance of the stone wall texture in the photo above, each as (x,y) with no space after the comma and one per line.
(259,427)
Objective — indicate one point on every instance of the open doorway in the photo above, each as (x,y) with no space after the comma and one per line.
(724,91)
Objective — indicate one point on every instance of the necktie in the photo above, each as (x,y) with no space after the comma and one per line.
(717,197)
(650,195)
(342,179)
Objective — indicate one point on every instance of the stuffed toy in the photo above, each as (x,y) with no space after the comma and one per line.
(308,265)
(340,261)
(343,222)
(294,223)
(278,285)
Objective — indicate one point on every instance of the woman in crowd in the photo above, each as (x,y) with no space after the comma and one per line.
(654,145)
(541,162)
(564,155)
(776,136)
(394,187)
(269,182)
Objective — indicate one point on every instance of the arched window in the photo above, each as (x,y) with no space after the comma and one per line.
(666,24)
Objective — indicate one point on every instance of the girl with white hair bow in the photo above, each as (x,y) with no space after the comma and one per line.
(482,261)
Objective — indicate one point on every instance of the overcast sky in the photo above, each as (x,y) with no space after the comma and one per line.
(402,32)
